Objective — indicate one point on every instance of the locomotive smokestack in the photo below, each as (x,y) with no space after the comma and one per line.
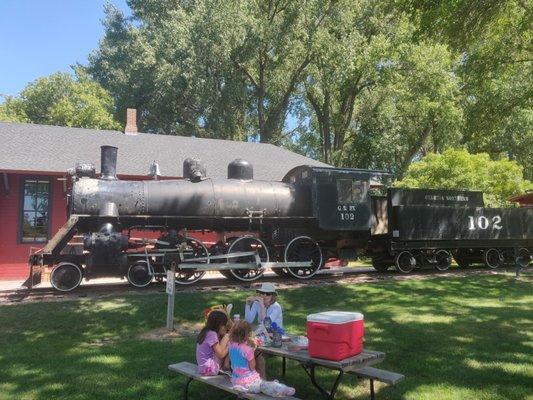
(108,163)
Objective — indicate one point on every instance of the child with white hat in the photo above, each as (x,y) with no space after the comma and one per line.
(264,304)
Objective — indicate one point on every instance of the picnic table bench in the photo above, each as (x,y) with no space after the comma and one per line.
(359,365)
(222,382)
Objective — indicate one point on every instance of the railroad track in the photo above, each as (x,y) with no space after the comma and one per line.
(328,277)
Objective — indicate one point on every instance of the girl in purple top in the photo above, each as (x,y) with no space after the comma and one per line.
(210,350)
(244,375)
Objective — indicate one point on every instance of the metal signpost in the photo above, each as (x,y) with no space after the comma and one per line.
(171,291)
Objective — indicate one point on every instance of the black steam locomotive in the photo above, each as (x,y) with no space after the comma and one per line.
(292,226)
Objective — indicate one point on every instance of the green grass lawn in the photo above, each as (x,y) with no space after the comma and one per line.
(460,338)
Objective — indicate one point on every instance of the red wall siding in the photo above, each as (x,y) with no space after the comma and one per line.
(13,255)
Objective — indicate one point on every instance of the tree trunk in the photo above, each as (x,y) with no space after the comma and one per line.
(415,148)
(326,130)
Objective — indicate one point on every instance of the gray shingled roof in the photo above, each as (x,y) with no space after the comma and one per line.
(29,147)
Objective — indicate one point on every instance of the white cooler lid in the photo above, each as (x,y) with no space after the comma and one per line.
(335,317)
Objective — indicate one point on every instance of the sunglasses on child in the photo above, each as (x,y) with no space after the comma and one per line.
(263,294)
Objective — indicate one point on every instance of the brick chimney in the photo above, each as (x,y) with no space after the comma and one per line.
(131,122)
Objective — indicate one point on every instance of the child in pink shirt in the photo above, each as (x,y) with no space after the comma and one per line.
(210,350)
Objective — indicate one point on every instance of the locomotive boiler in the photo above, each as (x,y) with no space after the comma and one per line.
(291,226)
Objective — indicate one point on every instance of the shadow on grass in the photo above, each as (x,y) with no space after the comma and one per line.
(452,338)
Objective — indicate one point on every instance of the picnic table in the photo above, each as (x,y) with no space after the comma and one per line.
(357,365)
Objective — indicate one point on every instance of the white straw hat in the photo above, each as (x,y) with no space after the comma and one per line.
(267,287)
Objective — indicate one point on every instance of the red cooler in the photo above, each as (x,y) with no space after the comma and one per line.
(335,335)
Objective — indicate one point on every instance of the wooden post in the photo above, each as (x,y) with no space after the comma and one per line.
(171,291)
(517,262)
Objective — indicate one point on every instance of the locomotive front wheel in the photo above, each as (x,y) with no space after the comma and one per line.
(493,258)
(66,276)
(304,249)
(405,262)
(193,248)
(443,260)
(139,274)
(244,244)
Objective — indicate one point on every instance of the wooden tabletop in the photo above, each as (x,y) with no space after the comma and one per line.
(365,358)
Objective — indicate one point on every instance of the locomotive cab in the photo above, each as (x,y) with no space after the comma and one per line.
(340,197)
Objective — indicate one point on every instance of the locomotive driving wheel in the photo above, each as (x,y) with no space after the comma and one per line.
(66,276)
(443,260)
(140,274)
(192,248)
(304,249)
(493,258)
(245,244)
(405,262)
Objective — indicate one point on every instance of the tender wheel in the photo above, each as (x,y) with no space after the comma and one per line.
(405,262)
(139,274)
(443,260)
(66,276)
(192,248)
(523,257)
(304,249)
(248,243)
(379,265)
(493,258)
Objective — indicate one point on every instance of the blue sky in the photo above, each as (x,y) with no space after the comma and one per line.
(40,37)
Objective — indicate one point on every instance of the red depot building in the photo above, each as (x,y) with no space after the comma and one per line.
(525,200)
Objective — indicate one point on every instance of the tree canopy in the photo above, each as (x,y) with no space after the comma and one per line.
(458,169)
(61,99)
(356,83)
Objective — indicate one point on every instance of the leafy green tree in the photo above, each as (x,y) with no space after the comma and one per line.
(373,84)
(147,64)
(458,169)
(211,67)
(498,87)
(60,99)
(11,110)
(493,38)
(382,91)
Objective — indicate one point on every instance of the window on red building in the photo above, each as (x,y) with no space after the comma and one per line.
(35,211)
